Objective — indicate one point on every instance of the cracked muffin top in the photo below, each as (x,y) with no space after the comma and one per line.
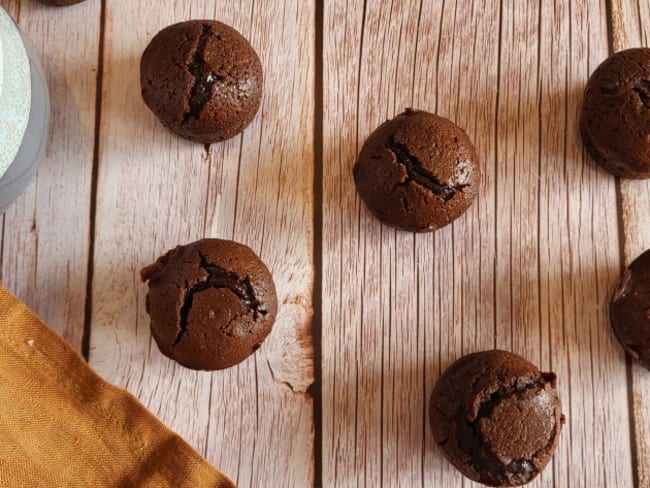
(629,309)
(202,79)
(615,117)
(417,172)
(496,417)
(211,303)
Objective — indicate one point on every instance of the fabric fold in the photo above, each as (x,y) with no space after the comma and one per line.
(61,425)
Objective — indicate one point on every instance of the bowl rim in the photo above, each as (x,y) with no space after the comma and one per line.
(15,90)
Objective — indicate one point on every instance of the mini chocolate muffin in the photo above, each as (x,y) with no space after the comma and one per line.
(615,118)
(211,303)
(202,79)
(60,3)
(629,309)
(496,417)
(417,172)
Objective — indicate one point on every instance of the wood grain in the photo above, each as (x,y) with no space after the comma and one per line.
(45,235)
(254,421)
(630,29)
(528,267)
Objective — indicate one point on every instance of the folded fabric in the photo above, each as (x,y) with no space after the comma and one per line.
(61,425)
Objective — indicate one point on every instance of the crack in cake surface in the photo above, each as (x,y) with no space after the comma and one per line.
(217,278)
(416,172)
(471,441)
(203,75)
(642,89)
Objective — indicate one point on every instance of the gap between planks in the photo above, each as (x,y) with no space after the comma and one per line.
(85,340)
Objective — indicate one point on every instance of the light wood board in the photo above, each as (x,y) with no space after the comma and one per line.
(528,268)
(45,237)
(154,191)
(630,29)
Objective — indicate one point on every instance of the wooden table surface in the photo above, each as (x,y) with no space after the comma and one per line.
(369,316)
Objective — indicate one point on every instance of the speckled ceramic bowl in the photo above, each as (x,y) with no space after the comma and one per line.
(24,112)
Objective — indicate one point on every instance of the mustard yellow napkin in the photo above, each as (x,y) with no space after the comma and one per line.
(61,425)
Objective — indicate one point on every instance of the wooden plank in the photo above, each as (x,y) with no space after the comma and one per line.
(253,421)
(583,260)
(526,269)
(46,230)
(630,29)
